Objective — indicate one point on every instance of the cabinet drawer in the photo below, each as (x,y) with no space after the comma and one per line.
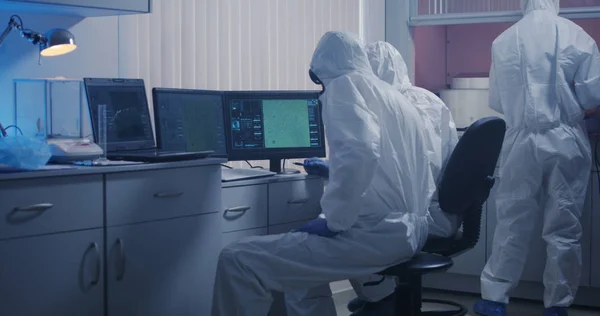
(51,205)
(160,194)
(229,238)
(244,208)
(294,201)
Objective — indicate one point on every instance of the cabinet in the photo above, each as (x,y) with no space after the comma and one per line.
(163,267)
(447,12)
(60,274)
(294,201)
(78,7)
(536,259)
(42,206)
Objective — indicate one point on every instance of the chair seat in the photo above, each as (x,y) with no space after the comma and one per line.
(422,263)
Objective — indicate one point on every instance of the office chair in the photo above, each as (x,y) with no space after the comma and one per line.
(465,186)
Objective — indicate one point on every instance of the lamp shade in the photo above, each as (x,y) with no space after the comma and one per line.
(57,42)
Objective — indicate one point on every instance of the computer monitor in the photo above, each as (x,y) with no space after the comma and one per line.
(189,120)
(273,125)
(128,123)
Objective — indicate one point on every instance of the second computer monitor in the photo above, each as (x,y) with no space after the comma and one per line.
(273,125)
(189,120)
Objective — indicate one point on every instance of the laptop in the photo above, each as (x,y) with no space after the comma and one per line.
(129,133)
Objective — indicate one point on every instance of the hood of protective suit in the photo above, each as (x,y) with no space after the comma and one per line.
(387,63)
(531,5)
(338,54)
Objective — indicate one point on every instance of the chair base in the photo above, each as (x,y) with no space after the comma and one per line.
(458,310)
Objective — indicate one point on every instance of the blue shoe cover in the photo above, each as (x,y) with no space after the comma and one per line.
(556,311)
(489,308)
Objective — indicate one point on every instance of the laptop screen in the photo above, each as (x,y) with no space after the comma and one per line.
(128,124)
(189,120)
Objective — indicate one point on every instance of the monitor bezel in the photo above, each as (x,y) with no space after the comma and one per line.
(271,153)
(107,82)
(157,91)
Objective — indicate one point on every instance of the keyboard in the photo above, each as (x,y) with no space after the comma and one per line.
(228,175)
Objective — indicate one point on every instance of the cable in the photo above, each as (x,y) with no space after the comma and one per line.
(18,18)
(253,167)
(14,126)
(226,166)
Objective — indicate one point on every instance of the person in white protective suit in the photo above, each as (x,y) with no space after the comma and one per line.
(545,72)
(374,207)
(441,138)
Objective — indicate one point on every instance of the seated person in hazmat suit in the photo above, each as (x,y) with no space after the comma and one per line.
(374,207)
(374,292)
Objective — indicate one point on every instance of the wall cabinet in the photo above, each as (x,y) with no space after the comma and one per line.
(59,274)
(82,8)
(448,12)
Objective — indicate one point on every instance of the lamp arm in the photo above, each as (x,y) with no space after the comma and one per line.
(12,24)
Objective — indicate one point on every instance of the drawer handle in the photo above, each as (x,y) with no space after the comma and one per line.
(298,201)
(121,267)
(238,209)
(35,207)
(96,249)
(168,195)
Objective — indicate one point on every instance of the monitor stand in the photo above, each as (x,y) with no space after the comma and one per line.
(275,166)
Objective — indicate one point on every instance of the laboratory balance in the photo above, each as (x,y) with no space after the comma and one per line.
(55,110)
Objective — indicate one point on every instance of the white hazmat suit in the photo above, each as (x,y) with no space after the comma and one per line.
(545,72)
(441,138)
(379,189)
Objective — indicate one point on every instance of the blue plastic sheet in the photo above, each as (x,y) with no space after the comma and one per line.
(21,152)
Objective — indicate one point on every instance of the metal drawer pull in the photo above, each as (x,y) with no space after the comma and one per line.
(298,201)
(98,263)
(168,195)
(35,207)
(121,267)
(238,209)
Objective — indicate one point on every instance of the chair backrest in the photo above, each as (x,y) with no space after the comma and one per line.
(469,177)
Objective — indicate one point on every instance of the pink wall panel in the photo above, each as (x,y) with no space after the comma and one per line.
(444,52)
(430,57)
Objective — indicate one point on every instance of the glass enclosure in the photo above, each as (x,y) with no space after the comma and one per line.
(51,108)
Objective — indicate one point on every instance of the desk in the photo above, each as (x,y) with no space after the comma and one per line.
(135,239)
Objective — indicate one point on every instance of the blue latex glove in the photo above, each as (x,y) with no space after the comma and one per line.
(317,226)
(316,166)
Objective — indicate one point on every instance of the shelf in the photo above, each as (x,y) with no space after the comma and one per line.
(80,8)
(496,17)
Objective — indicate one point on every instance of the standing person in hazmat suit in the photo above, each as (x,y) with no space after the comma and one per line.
(441,138)
(545,72)
(374,207)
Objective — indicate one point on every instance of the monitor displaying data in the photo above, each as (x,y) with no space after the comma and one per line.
(128,123)
(284,124)
(190,120)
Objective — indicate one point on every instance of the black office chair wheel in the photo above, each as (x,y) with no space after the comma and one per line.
(458,310)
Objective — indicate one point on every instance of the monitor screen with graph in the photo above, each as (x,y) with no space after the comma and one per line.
(273,125)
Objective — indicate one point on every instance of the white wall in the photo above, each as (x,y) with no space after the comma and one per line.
(230,45)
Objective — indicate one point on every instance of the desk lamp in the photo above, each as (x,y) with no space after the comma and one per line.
(55,42)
